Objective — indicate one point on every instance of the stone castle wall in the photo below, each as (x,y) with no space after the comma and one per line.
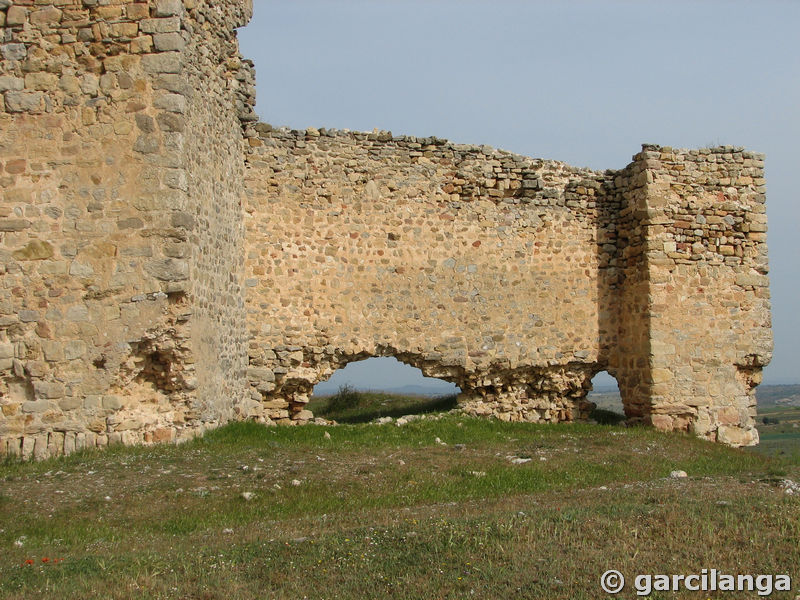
(695,328)
(168,264)
(708,301)
(478,266)
(121,225)
(517,279)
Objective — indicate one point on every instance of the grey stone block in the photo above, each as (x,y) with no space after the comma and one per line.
(166,42)
(168,8)
(164,25)
(168,269)
(168,62)
(24,101)
(10,83)
(13,51)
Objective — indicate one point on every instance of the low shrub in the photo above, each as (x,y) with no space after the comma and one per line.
(347,398)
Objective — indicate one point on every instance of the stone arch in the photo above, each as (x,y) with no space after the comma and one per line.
(284,391)
(606,396)
(526,393)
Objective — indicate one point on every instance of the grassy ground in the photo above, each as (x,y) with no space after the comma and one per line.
(446,508)
(350,406)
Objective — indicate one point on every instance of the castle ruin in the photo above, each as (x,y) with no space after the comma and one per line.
(169,264)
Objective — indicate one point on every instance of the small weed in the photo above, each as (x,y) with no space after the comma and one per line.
(347,398)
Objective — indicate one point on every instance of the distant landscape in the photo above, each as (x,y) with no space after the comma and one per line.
(427,389)
(604,396)
(778,417)
(778,395)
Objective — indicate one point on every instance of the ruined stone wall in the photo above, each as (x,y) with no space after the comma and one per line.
(629,362)
(119,246)
(484,268)
(517,279)
(168,264)
(220,89)
(709,329)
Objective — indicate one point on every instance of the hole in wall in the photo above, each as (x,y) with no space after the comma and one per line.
(605,394)
(177,297)
(380,387)
(155,368)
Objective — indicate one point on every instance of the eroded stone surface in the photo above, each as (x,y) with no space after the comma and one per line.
(169,264)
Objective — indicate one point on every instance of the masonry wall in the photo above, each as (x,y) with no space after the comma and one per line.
(630,359)
(481,267)
(517,279)
(707,289)
(169,264)
(220,89)
(108,333)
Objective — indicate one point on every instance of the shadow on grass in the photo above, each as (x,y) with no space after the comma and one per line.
(606,417)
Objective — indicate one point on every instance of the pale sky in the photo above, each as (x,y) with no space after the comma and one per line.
(586,82)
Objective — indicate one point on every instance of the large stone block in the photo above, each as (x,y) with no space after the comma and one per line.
(167,62)
(167,42)
(46,16)
(11,83)
(168,8)
(168,269)
(161,25)
(24,102)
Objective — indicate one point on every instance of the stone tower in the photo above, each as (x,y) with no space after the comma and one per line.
(122,229)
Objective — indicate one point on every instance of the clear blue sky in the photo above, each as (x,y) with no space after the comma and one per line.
(585,82)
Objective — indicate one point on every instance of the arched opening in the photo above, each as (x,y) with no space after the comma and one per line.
(605,394)
(378,388)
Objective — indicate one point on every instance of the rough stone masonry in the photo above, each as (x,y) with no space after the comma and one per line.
(169,264)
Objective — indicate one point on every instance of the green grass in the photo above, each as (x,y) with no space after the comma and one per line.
(350,406)
(389,511)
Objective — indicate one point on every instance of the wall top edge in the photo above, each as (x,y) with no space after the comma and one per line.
(286,134)
(705,150)
(649,151)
